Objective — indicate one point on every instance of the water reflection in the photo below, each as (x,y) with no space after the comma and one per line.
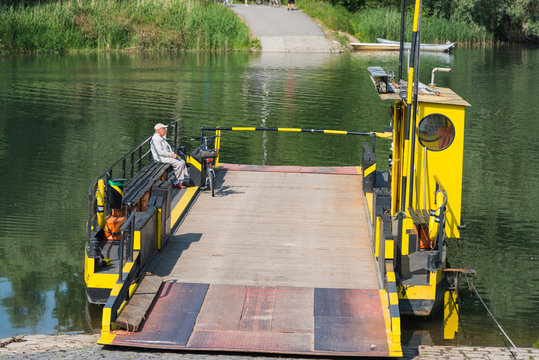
(63,119)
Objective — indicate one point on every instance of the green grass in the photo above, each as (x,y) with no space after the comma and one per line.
(334,17)
(128,24)
(369,24)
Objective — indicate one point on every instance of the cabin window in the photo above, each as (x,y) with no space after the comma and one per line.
(436,132)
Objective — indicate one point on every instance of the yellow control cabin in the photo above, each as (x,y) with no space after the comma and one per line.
(418,200)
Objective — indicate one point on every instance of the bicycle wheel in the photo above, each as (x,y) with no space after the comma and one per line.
(212,182)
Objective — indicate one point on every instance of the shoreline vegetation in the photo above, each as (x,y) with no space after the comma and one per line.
(384,22)
(80,25)
(56,26)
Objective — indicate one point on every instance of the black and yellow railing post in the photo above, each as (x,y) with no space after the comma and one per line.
(385,254)
(217,146)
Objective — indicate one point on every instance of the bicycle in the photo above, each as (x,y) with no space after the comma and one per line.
(207,154)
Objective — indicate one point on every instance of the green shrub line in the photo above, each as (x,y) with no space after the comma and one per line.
(79,25)
(371,23)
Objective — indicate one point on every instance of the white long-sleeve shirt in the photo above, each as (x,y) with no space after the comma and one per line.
(161,150)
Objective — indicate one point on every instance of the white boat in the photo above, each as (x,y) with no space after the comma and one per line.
(447,47)
(374,47)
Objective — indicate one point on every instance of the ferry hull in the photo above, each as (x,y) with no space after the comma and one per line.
(97,295)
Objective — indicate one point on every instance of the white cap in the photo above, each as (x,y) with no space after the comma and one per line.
(159,126)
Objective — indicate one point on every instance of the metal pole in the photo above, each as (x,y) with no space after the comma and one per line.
(91,211)
(107,187)
(413,89)
(175,136)
(297,130)
(140,158)
(401,52)
(120,268)
(132,164)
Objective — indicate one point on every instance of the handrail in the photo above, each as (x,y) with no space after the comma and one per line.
(440,218)
(442,190)
(384,135)
(128,224)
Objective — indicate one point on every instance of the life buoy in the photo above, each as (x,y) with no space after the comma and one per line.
(100,199)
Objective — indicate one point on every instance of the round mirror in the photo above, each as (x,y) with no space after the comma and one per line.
(436,132)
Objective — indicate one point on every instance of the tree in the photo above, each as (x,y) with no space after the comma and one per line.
(521,20)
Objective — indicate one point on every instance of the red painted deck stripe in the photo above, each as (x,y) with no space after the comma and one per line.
(337,170)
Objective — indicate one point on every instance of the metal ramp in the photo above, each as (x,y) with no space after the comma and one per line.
(263,319)
(280,261)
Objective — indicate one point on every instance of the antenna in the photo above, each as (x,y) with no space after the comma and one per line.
(401,52)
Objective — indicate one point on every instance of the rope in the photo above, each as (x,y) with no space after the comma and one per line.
(472,286)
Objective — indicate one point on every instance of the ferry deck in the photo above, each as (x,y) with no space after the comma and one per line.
(280,260)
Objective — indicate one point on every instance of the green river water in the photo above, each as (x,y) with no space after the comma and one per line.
(65,118)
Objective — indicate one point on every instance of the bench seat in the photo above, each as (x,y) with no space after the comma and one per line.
(142,182)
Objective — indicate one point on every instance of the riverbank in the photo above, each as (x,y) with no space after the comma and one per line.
(83,346)
(371,23)
(199,25)
(169,25)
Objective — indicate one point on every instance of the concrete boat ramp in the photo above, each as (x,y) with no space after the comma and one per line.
(280,30)
(279,261)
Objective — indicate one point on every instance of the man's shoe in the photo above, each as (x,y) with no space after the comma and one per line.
(180,185)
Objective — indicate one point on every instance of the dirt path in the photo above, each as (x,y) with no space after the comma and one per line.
(280,30)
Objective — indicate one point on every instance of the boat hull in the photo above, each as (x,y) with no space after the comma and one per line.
(423,47)
(387,45)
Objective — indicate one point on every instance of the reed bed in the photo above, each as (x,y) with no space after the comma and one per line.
(368,24)
(119,25)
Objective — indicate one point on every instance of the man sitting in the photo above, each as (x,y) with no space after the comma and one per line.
(162,152)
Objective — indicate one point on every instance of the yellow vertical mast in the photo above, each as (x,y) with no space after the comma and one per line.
(411,98)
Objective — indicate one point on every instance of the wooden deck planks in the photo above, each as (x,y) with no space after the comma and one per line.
(275,229)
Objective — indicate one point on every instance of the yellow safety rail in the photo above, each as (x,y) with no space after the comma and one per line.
(383,135)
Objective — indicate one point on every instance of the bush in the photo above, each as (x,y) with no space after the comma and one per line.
(384,22)
(127,24)
(334,17)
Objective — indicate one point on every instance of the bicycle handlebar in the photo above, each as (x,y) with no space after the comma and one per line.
(197,138)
